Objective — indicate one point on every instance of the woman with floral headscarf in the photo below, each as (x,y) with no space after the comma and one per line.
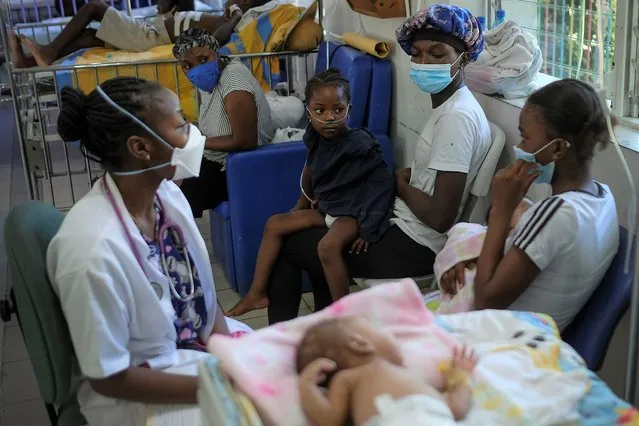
(440,40)
(234,113)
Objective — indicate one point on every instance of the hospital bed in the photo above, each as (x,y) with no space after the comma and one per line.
(57,172)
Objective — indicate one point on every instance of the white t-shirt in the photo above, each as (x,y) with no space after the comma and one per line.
(456,139)
(572,238)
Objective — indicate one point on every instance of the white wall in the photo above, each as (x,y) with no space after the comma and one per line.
(411,109)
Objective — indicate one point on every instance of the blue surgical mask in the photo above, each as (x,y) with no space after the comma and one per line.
(432,78)
(205,76)
(546,171)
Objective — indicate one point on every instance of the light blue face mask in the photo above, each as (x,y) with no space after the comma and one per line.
(546,170)
(432,78)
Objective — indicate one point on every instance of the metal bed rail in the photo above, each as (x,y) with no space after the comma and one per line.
(55,171)
(35,11)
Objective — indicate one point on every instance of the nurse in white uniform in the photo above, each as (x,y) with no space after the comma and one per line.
(129,264)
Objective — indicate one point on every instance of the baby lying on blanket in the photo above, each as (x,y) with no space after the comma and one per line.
(368,381)
(462,249)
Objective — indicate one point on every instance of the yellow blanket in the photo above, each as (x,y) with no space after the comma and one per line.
(165,74)
(266,33)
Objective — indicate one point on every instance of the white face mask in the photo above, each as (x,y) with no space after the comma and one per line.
(186,160)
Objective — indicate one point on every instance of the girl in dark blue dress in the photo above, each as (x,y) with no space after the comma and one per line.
(346,186)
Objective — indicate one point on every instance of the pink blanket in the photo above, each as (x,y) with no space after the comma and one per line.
(262,364)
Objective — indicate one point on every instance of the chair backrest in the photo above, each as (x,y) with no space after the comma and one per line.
(481,184)
(593,327)
(357,68)
(28,230)
(381,97)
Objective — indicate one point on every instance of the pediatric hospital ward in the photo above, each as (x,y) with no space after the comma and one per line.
(319,212)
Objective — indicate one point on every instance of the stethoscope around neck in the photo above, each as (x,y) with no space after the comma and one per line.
(167,227)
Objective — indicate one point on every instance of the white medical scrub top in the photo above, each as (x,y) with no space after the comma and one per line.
(115,317)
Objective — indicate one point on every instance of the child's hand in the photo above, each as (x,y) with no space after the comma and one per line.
(317,371)
(314,204)
(464,359)
(455,278)
(359,246)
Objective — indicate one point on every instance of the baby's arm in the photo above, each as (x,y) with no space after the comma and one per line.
(459,394)
(322,409)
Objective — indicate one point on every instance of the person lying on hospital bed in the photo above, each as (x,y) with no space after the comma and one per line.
(234,114)
(128,264)
(561,248)
(440,40)
(120,31)
(462,248)
(364,374)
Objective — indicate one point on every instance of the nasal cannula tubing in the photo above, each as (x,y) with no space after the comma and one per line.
(302,185)
(631,369)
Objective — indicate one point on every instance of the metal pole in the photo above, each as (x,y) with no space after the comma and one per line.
(48,167)
(128,7)
(322,16)
(624,46)
(631,367)
(14,98)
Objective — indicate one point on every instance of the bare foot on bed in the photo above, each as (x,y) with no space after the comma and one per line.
(19,59)
(43,55)
(250,302)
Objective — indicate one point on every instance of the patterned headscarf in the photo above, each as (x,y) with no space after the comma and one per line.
(452,20)
(194,37)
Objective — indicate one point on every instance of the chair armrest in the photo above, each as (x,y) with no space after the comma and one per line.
(261,183)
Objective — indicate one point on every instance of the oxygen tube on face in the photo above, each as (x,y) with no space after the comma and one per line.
(631,369)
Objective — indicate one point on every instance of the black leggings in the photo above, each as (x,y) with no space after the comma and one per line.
(208,190)
(395,255)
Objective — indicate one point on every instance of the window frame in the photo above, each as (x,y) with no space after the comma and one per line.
(624,78)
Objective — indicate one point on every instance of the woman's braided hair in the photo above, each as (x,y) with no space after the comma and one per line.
(330,77)
(101,129)
(571,110)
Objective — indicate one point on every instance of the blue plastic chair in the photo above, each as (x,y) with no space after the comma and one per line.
(592,329)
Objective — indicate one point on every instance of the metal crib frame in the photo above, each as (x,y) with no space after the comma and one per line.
(50,165)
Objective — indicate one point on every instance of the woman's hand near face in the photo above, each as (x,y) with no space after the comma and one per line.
(509,187)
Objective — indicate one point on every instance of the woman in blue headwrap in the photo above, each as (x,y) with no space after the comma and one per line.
(441,40)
